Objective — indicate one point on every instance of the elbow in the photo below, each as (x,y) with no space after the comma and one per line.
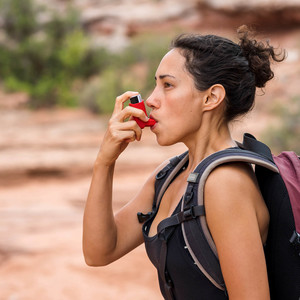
(97,256)
(96,261)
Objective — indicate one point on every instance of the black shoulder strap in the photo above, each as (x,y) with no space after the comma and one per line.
(163,179)
(252,144)
(167,174)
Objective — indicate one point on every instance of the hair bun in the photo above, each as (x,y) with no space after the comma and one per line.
(258,55)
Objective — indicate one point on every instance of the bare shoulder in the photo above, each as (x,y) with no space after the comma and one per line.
(233,182)
(233,200)
(234,171)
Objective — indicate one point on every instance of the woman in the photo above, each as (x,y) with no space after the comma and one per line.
(202,84)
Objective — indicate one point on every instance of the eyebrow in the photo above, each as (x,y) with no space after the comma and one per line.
(164,76)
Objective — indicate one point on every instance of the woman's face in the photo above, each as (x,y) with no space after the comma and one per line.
(176,103)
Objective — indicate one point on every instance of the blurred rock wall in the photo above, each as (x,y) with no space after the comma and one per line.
(113,22)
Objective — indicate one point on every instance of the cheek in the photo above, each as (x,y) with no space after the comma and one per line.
(185,111)
(176,107)
(183,101)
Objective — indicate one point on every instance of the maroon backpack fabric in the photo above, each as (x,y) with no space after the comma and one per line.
(289,168)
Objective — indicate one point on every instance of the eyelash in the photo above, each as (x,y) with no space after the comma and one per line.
(167,85)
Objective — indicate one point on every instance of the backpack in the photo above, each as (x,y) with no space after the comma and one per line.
(279,182)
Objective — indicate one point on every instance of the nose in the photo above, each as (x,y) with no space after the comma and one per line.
(153,100)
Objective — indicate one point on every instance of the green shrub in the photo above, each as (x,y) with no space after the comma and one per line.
(55,63)
(45,60)
(19,18)
(132,69)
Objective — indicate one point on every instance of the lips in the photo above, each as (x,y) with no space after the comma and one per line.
(151,117)
(153,126)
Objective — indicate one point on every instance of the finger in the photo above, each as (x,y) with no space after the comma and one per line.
(132,138)
(130,125)
(125,136)
(120,100)
(130,111)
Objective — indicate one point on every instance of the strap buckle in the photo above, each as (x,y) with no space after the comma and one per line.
(189,213)
(295,241)
(193,177)
(188,194)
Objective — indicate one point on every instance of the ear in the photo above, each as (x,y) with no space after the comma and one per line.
(214,97)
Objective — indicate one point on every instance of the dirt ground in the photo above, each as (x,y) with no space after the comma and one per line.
(46,158)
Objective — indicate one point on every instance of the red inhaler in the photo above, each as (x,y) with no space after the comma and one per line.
(136,101)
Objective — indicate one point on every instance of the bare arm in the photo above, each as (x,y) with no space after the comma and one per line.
(237,219)
(107,237)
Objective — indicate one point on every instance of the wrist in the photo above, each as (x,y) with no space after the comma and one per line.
(102,163)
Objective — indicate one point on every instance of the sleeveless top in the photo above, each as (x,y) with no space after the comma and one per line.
(188,282)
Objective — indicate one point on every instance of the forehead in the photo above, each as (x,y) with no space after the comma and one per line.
(172,63)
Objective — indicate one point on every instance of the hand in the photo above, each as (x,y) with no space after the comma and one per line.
(120,132)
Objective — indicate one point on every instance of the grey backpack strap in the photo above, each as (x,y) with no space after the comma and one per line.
(165,231)
(196,234)
(178,165)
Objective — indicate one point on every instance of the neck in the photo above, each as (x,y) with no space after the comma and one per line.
(211,137)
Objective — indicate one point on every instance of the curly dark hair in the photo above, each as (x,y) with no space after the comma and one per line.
(239,68)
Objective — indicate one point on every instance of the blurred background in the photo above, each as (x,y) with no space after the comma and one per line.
(62,63)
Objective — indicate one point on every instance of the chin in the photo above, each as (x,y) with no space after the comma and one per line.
(165,140)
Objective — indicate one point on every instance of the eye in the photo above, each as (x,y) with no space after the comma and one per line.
(167,85)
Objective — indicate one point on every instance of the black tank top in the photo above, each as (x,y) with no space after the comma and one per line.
(189,283)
